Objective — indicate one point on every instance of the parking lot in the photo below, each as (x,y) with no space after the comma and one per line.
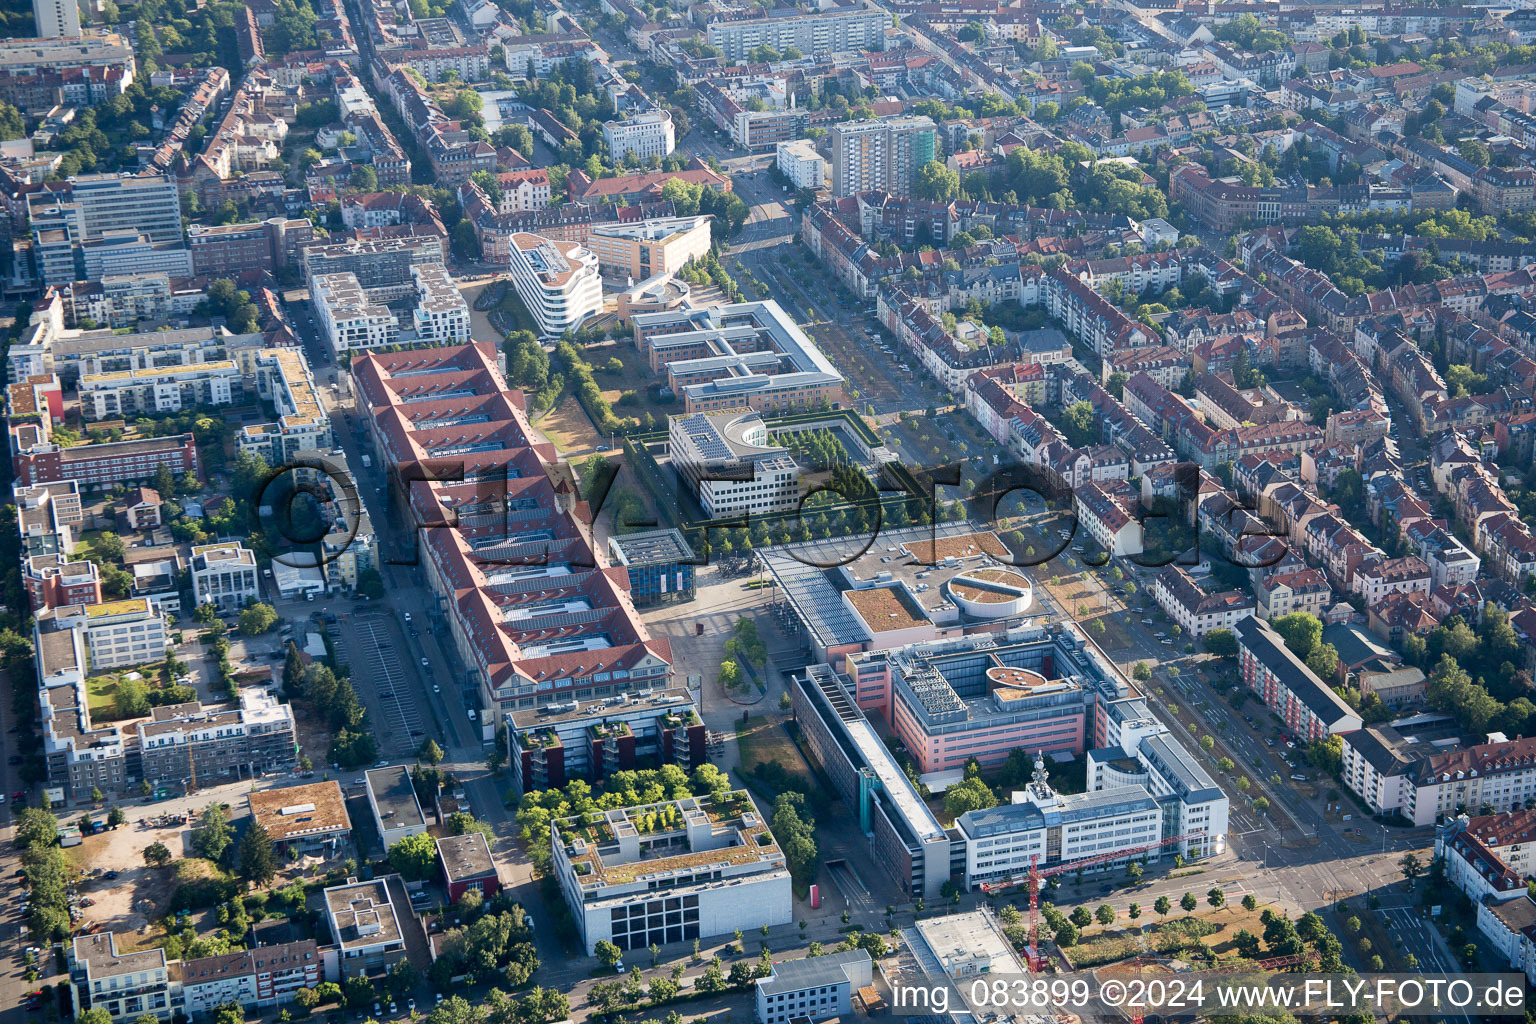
(383,680)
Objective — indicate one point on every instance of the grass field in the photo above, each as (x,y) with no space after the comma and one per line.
(568,427)
(99,692)
(1106,945)
(763,740)
(636,377)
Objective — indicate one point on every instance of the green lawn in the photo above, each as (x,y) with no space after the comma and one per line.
(635,379)
(99,692)
(763,739)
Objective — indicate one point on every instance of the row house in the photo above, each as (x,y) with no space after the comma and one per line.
(1320,467)
(1298,590)
(1338,547)
(1472,410)
(1196,611)
(1451,563)
(1227,406)
(1095,322)
(1162,363)
(1111,515)
(1184,329)
(1253,474)
(1508,547)
(1117,425)
(1401,615)
(1145,272)
(1376,579)
(1232,444)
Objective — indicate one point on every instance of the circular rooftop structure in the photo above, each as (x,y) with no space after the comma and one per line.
(991,593)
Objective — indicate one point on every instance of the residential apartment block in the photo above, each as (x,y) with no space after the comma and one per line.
(126,985)
(126,394)
(885,155)
(1306,704)
(117,633)
(837,27)
(645,135)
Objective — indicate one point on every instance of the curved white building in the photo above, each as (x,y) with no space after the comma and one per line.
(991,593)
(558,281)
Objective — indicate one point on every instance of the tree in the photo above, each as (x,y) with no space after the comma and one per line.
(257,619)
(607,953)
(1323,661)
(130,700)
(1249,903)
(414,857)
(359,992)
(1067,934)
(1221,643)
(936,182)
(1080,424)
(35,827)
(1215,897)
(212,834)
(402,978)
(1162,906)
(971,794)
(1411,867)
(206,614)
(1188,903)
(116,816)
(1301,632)
(258,862)
(157,855)
(1105,915)
(110,546)
(430,752)
(95,1015)
(1082,917)
(1326,754)
(1142,672)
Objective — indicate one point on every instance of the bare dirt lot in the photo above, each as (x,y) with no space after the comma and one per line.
(127,903)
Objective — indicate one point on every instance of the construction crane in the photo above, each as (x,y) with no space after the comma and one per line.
(1034,876)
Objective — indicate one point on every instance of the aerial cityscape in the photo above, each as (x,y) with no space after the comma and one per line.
(746,512)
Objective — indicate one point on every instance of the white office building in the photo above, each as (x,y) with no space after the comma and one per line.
(645,135)
(814,988)
(801,164)
(118,633)
(348,317)
(702,866)
(1150,802)
(224,575)
(558,281)
(396,812)
(725,459)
